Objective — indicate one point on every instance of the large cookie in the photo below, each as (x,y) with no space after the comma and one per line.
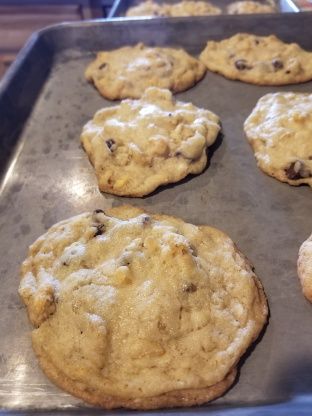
(128,71)
(305,268)
(250,7)
(262,60)
(279,130)
(138,310)
(142,144)
(183,8)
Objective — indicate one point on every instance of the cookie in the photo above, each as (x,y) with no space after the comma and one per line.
(250,7)
(193,8)
(183,8)
(141,144)
(138,310)
(146,8)
(127,72)
(279,130)
(305,268)
(262,60)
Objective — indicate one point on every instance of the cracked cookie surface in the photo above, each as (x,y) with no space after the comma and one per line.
(127,72)
(250,7)
(142,144)
(183,8)
(262,60)
(279,130)
(140,310)
(305,268)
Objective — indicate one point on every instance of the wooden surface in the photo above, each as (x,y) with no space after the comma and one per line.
(5,61)
(19,19)
(17,25)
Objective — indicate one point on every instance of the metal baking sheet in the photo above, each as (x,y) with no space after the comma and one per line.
(301,5)
(120,7)
(46,177)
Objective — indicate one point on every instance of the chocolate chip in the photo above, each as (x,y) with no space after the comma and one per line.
(257,42)
(102,66)
(161,326)
(99,230)
(310,157)
(146,220)
(287,72)
(241,64)
(291,173)
(178,154)
(298,170)
(277,64)
(98,211)
(110,143)
(189,288)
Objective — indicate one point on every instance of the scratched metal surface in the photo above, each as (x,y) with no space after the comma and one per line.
(46,177)
(120,7)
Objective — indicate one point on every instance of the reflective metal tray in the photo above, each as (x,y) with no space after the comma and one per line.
(301,5)
(46,177)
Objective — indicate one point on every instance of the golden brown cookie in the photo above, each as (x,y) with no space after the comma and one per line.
(305,268)
(142,144)
(250,7)
(139,310)
(127,72)
(146,8)
(279,130)
(262,60)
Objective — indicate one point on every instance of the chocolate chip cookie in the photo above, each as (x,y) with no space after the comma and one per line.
(305,268)
(262,60)
(142,144)
(140,311)
(127,72)
(279,130)
(250,7)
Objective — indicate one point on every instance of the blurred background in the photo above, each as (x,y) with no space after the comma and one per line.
(19,18)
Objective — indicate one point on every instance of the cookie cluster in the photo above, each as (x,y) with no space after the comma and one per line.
(197,8)
(148,152)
